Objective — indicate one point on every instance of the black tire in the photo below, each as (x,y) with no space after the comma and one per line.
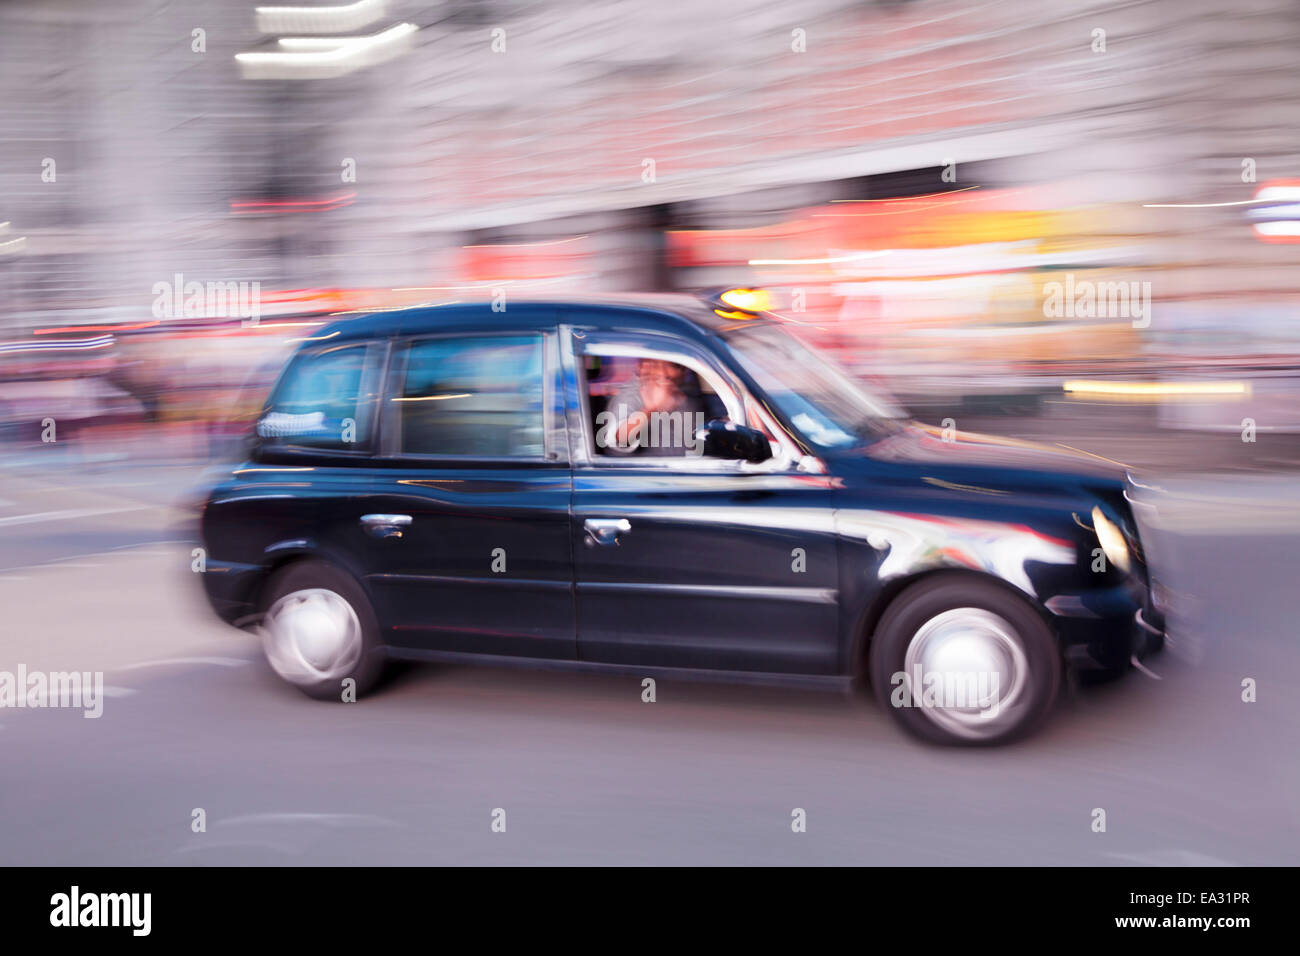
(1039,659)
(311,575)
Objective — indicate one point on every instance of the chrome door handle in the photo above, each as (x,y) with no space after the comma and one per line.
(605,531)
(385,526)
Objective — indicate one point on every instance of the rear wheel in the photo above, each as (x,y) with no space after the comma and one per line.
(964,661)
(319,630)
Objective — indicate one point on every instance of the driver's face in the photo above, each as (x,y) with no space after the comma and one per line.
(659,372)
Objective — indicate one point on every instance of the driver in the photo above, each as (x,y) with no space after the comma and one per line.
(658,411)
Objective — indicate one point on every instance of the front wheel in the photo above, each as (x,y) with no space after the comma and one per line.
(319,631)
(964,661)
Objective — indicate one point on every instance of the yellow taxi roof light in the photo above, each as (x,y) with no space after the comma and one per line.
(747,300)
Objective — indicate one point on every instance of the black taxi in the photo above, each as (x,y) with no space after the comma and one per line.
(668,487)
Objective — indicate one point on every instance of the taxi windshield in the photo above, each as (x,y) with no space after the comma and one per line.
(816,396)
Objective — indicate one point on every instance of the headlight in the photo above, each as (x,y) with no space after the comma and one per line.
(1111,540)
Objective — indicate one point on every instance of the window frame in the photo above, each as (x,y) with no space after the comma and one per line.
(554,450)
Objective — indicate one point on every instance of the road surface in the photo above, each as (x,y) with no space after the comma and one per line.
(95,575)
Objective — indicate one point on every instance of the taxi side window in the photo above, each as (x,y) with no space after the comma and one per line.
(326,399)
(648,399)
(473,396)
(674,400)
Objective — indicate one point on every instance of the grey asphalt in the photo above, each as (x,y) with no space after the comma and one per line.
(587,773)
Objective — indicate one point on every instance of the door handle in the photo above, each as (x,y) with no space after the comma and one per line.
(385,526)
(605,531)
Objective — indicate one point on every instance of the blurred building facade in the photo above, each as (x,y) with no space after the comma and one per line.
(582,144)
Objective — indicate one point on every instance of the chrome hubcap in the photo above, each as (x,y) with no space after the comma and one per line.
(972,671)
(311,636)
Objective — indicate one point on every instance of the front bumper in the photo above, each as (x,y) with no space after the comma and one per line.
(1108,628)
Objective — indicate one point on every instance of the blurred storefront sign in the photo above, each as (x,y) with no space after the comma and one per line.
(955,280)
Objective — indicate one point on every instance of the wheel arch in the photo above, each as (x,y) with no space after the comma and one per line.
(870,615)
(283,554)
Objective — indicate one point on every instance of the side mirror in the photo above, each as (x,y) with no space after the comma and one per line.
(734,442)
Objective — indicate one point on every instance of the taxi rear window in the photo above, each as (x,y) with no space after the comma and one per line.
(326,399)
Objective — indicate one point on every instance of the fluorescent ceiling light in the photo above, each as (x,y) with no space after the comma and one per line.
(314,58)
(342,19)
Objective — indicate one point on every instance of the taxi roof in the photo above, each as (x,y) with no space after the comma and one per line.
(631,311)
